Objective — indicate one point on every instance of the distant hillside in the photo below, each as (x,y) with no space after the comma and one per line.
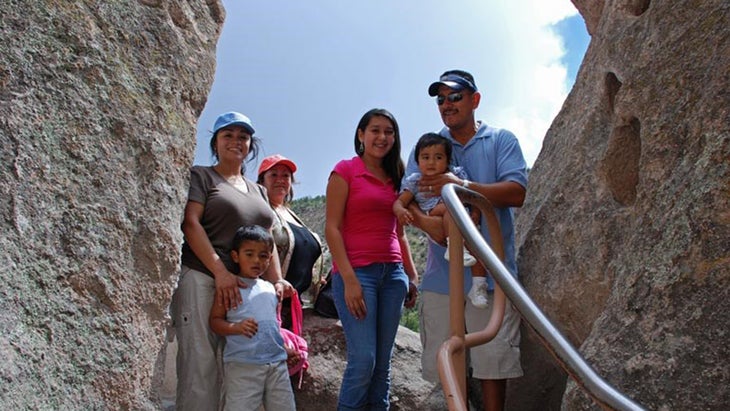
(312,211)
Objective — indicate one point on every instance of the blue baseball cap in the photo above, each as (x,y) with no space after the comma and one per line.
(233,118)
(452,81)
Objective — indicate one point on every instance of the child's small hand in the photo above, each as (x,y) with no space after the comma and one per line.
(404,217)
(292,355)
(248,327)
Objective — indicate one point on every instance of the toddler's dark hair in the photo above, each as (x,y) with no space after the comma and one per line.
(433,139)
(252,233)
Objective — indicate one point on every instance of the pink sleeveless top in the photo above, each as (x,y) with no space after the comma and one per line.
(369,225)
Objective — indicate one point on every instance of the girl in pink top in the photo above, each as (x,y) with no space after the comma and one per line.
(371,257)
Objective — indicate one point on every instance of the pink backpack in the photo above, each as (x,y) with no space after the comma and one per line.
(294,339)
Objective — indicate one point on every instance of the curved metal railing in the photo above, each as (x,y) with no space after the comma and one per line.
(452,358)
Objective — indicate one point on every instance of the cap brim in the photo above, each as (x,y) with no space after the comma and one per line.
(245,125)
(288,163)
(433,89)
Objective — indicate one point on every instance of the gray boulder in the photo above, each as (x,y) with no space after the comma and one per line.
(623,239)
(98,109)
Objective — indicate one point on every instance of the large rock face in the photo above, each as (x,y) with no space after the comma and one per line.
(98,106)
(625,233)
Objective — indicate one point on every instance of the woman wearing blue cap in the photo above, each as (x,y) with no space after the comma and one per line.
(220,200)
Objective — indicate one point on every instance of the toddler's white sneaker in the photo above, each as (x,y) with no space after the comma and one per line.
(478,295)
(469,259)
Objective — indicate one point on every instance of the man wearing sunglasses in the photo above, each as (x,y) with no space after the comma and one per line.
(492,157)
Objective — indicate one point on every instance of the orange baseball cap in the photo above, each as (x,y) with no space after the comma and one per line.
(271,161)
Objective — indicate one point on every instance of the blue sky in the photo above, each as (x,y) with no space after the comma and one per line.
(305,72)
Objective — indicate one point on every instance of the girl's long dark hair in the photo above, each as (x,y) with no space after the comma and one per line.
(392,163)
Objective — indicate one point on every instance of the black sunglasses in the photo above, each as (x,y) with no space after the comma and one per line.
(453,98)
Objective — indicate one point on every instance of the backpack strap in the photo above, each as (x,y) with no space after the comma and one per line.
(278,314)
(296,314)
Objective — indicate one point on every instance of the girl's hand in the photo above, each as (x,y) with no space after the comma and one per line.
(248,327)
(412,295)
(226,290)
(355,300)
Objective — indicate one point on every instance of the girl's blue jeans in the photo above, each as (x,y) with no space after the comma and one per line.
(366,382)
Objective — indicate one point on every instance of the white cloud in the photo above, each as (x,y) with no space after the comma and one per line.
(540,86)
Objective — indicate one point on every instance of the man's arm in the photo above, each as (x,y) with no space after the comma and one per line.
(502,194)
(433,226)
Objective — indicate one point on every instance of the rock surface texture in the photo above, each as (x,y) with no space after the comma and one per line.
(623,238)
(98,107)
(625,234)
(321,385)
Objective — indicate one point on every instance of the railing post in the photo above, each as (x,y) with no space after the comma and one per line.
(456,304)
(567,356)
(452,355)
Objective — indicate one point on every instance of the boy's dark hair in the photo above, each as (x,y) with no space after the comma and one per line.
(252,233)
(433,139)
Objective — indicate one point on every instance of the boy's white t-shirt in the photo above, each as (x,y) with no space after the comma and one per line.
(267,345)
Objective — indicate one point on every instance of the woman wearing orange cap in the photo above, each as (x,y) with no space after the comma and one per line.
(299,247)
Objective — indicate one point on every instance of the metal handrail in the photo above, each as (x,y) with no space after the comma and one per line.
(452,354)
(505,285)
